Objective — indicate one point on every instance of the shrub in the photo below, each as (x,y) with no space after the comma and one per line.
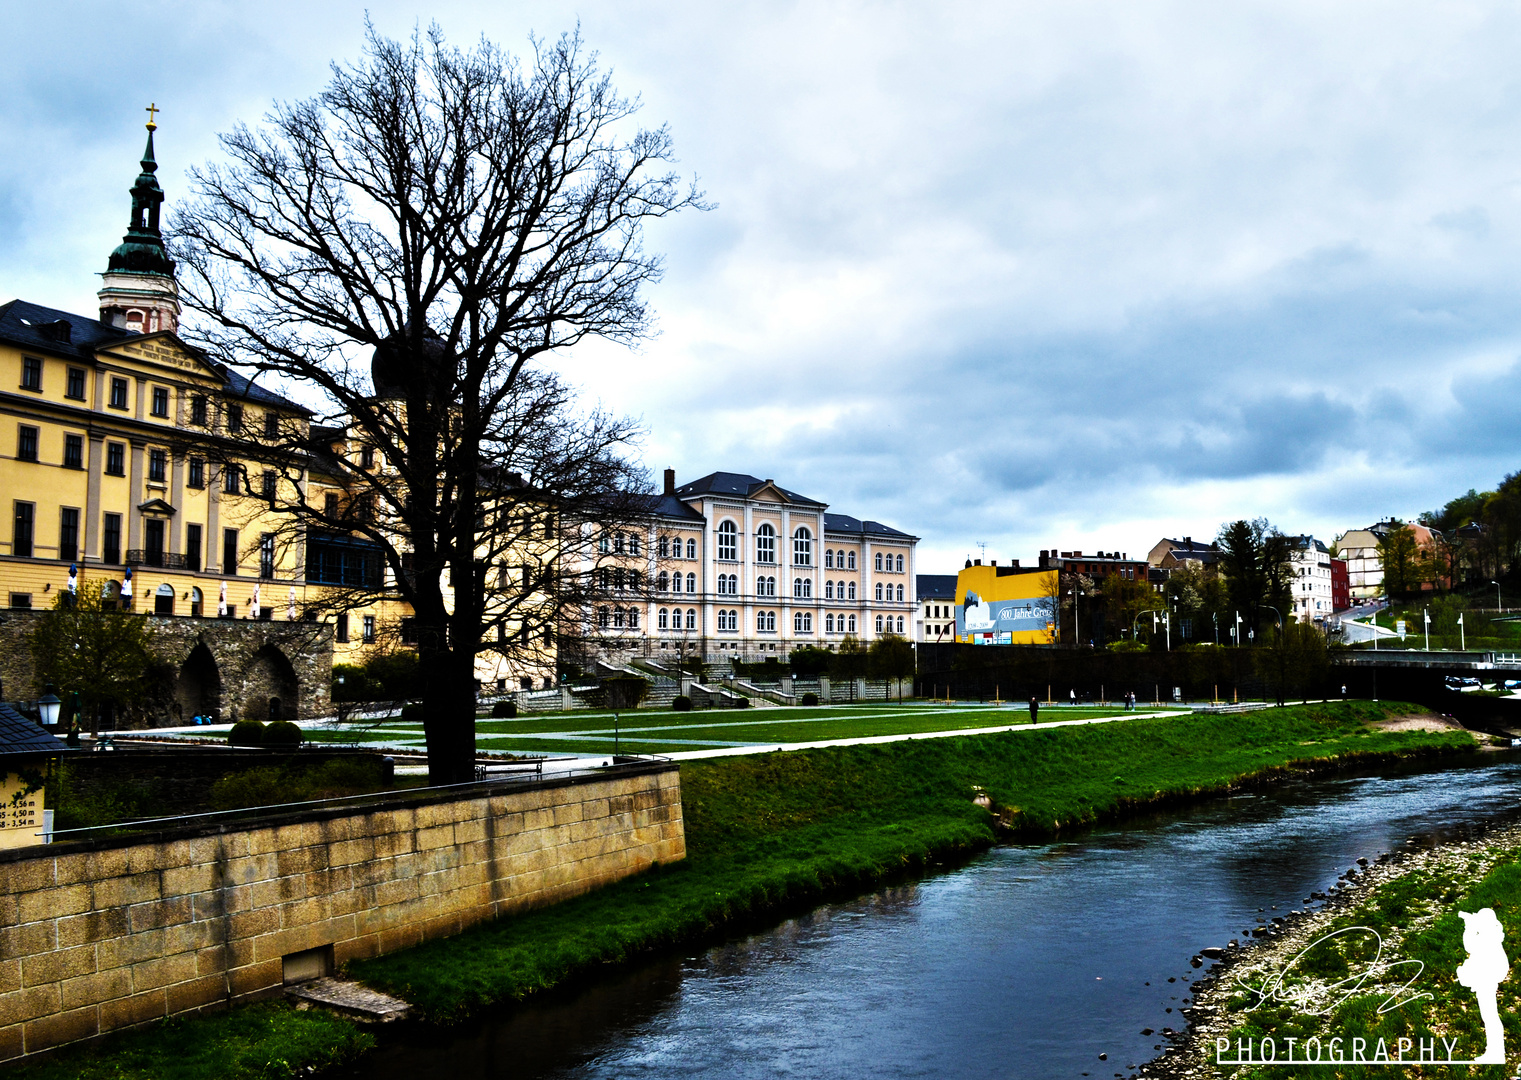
(810,698)
(412,713)
(741,702)
(504,710)
(246,733)
(681,703)
(283,734)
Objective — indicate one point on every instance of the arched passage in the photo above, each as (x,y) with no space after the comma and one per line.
(198,688)
(270,688)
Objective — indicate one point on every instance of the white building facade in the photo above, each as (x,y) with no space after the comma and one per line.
(1311,581)
(735,567)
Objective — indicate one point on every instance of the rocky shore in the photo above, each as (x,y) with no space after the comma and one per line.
(1217,995)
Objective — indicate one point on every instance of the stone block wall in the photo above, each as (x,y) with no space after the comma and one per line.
(104,935)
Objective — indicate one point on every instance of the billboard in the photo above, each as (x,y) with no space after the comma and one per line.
(1004,605)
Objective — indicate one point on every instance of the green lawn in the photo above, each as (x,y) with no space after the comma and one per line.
(652,731)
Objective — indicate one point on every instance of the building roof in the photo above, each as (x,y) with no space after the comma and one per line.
(844,523)
(740,484)
(34,326)
(248,390)
(668,506)
(1305,542)
(20,736)
(1188,544)
(935,586)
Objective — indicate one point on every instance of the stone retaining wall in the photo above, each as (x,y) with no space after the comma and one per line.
(107,934)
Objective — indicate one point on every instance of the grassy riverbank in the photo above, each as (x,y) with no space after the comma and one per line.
(777,832)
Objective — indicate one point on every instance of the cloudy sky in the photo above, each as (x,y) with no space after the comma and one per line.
(1028,275)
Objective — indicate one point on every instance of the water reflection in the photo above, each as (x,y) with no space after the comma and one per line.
(1031,961)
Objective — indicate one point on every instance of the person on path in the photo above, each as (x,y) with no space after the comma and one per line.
(1072,695)
(1034,709)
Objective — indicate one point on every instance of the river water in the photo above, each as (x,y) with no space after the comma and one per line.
(1031,961)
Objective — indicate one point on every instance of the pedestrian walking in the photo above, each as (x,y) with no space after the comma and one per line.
(1072,696)
(1034,709)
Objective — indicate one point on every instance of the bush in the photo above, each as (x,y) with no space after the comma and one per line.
(246,733)
(504,710)
(742,703)
(412,713)
(681,703)
(810,698)
(283,734)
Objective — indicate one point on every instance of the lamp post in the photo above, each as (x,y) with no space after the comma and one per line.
(1215,617)
(1236,633)
(1499,603)
(47,708)
(1426,621)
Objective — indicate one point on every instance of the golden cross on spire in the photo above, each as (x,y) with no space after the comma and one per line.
(152,110)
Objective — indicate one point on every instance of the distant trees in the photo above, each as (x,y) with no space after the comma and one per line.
(892,657)
(1256,561)
(1481,532)
(1401,557)
(82,646)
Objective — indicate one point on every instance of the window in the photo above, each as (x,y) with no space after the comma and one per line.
(157,459)
(850,560)
(163,600)
(663,619)
(193,549)
(765,586)
(728,620)
(879,624)
(691,583)
(728,542)
(852,591)
(21,533)
(900,596)
(663,582)
(765,544)
(633,618)
(197,477)
(160,402)
(802,587)
(802,622)
(692,549)
(691,618)
(900,624)
(604,543)
(898,567)
(21,600)
(367,457)
(76,384)
(271,425)
(116,459)
(73,451)
(31,373)
(367,631)
(197,601)
(879,590)
(828,624)
(198,411)
(118,393)
(234,418)
(829,558)
(341,629)
(663,547)
(633,544)
(879,561)
(604,618)
(26,443)
(111,541)
(765,622)
(230,552)
(230,479)
(267,556)
(802,547)
(268,484)
(852,629)
(68,533)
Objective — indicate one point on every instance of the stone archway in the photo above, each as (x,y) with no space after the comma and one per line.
(198,688)
(270,686)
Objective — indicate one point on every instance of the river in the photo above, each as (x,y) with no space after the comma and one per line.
(1030,961)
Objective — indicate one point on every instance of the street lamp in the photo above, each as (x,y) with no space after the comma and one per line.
(47,708)
(1498,602)
(1426,620)
(1236,633)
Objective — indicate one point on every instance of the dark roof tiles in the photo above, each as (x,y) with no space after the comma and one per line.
(19,736)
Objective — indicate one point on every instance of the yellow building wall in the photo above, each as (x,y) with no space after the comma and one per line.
(21,817)
(1035,587)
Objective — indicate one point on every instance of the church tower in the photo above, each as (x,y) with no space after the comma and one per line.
(140,292)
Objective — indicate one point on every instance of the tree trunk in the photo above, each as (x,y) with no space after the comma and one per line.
(449,718)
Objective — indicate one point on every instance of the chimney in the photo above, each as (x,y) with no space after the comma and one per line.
(1014,563)
(1188,539)
(977,562)
(670,481)
(992,562)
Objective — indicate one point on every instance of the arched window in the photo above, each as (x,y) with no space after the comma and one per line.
(900,594)
(829,558)
(879,590)
(618,618)
(617,543)
(691,547)
(802,547)
(196,600)
(663,620)
(900,624)
(898,563)
(691,583)
(802,622)
(852,629)
(604,543)
(604,616)
(633,618)
(802,587)
(728,541)
(850,560)
(828,624)
(635,580)
(633,543)
(605,578)
(879,624)
(828,590)
(618,578)
(663,582)
(765,621)
(852,591)
(879,560)
(691,618)
(664,547)
(765,544)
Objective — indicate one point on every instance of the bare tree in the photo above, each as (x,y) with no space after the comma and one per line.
(453,217)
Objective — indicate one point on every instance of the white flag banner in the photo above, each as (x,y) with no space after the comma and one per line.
(222,601)
(73,577)
(290,605)
(255,603)
(126,585)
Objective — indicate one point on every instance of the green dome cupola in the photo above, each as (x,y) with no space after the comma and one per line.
(140,292)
